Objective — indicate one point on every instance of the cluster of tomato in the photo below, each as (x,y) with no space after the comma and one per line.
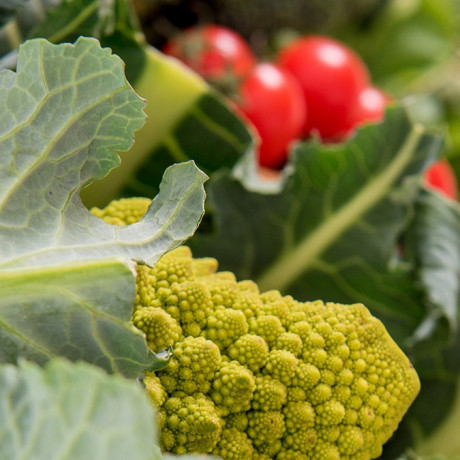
(316,86)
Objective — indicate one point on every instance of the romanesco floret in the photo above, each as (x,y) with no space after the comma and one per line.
(268,327)
(290,454)
(350,440)
(298,415)
(277,308)
(223,291)
(154,284)
(296,394)
(204,266)
(233,388)
(266,428)
(270,296)
(191,424)
(247,301)
(306,376)
(282,365)
(233,445)
(290,342)
(324,450)
(161,330)
(249,286)
(124,211)
(238,420)
(270,394)
(259,456)
(224,326)
(303,440)
(193,366)
(260,375)
(174,267)
(189,302)
(154,389)
(293,318)
(250,350)
(146,294)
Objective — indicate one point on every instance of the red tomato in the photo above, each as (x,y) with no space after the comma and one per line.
(212,51)
(370,106)
(271,99)
(441,176)
(331,76)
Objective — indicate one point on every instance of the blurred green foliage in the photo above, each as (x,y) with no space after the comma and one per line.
(412,50)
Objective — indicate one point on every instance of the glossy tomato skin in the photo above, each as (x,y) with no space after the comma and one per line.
(212,51)
(370,107)
(441,177)
(331,76)
(271,99)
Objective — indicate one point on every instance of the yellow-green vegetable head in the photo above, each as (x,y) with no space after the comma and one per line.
(261,375)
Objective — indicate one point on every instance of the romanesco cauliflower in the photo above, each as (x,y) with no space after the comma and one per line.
(260,375)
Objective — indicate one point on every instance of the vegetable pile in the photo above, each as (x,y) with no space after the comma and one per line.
(260,374)
(208,310)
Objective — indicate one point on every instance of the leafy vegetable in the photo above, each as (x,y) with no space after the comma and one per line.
(80,311)
(430,240)
(67,110)
(59,133)
(73,412)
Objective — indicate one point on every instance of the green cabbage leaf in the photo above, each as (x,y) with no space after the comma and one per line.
(72,411)
(67,282)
